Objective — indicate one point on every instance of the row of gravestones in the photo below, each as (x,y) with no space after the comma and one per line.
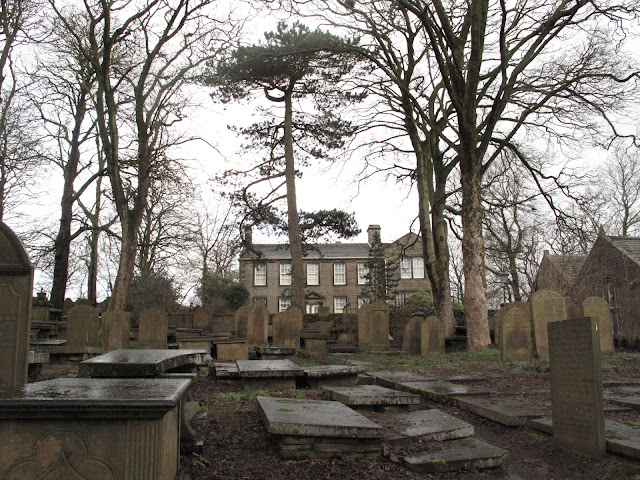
(84,328)
(424,336)
(521,328)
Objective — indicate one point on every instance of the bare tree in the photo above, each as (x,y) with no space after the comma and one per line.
(622,190)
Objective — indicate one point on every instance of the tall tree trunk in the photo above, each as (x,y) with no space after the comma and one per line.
(128,251)
(295,244)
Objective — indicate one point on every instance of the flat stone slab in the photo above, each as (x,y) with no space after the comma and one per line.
(424,425)
(48,343)
(463,454)
(464,379)
(314,418)
(621,438)
(371,396)
(442,392)
(96,398)
(392,379)
(140,363)
(226,369)
(507,411)
(274,350)
(632,402)
(321,371)
(268,368)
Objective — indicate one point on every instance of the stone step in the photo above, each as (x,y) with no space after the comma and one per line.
(424,425)
(456,455)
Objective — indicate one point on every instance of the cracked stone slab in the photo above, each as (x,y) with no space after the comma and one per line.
(314,418)
(442,392)
(507,411)
(391,379)
(455,455)
(422,425)
(371,396)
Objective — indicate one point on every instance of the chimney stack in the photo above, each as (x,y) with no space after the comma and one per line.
(374,234)
(248,235)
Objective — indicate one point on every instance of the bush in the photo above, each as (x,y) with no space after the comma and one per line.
(222,293)
(153,290)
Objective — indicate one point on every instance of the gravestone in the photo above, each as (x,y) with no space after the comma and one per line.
(83,327)
(546,306)
(240,321)
(16,287)
(298,310)
(202,318)
(67,305)
(286,328)
(497,326)
(432,336)
(153,329)
(373,326)
(516,335)
(598,307)
(116,326)
(576,386)
(258,324)
(411,339)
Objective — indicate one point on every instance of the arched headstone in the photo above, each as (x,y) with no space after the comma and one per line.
(599,308)
(546,306)
(153,328)
(83,327)
(116,330)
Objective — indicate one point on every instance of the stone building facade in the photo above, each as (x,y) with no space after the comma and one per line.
(337,274)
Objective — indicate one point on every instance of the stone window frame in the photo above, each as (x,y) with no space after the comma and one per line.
(256,266)
(336,307)
(408,267)
(363,273)
(284,303)
(337,276)
(286,274)
(317,274)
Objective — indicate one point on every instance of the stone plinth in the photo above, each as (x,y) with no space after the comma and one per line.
(116,330)
(81,428)
(306,429)
(141,363)
(576,386)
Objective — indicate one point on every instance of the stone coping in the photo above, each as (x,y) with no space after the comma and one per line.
(72,398)
(320,371)
(139,363)
(268,368)
(314,418)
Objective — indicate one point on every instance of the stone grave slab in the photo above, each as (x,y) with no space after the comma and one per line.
(141,363)
(465,379)
(335,375)
(306,429)
(441,392)
(391,379)
(577,405)
(632,401)
(507,411)
(269,374)
(93,428)
(422,425)
(231,350)
(226,370)
(463,454)
(371,396)
(274,352)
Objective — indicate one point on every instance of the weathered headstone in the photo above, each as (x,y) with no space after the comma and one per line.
(83,327)
(240,321)
(116,326)
(411,340)
(433,336)
(67,305)
(286,328)
(497,326)
(516,335)
(153,329)
(546,306)
(373,326)
(576,386)
(16,287)
(599,307)
(202,318)
(258,324)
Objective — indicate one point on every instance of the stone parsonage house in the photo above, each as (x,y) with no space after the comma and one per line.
(337,274)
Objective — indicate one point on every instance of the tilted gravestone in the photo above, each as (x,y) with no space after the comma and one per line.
(286,328)
(411,340)
(240,321)
(202,318)
(83,327)
(116,326)
(576,386)
(373,326)
(516,334)
(153,328)
(258,324)
(16,287)
(432,336)
(546,306)
(599,307)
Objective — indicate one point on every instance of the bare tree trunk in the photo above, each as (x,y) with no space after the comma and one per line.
(295,244)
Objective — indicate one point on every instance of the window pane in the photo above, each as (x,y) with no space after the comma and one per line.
(283,304)
(338,304)
(362,301)
(313,278)
(312,308)
(405,268)
(418,267)
(339,277)
(363,274)
(260,274)
(285,274)
(401,297)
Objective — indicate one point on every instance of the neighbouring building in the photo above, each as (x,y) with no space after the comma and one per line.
(337,274)
(558,272)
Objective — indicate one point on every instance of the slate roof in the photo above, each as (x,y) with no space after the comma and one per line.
(318,251)
(630,246)
(568,265)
